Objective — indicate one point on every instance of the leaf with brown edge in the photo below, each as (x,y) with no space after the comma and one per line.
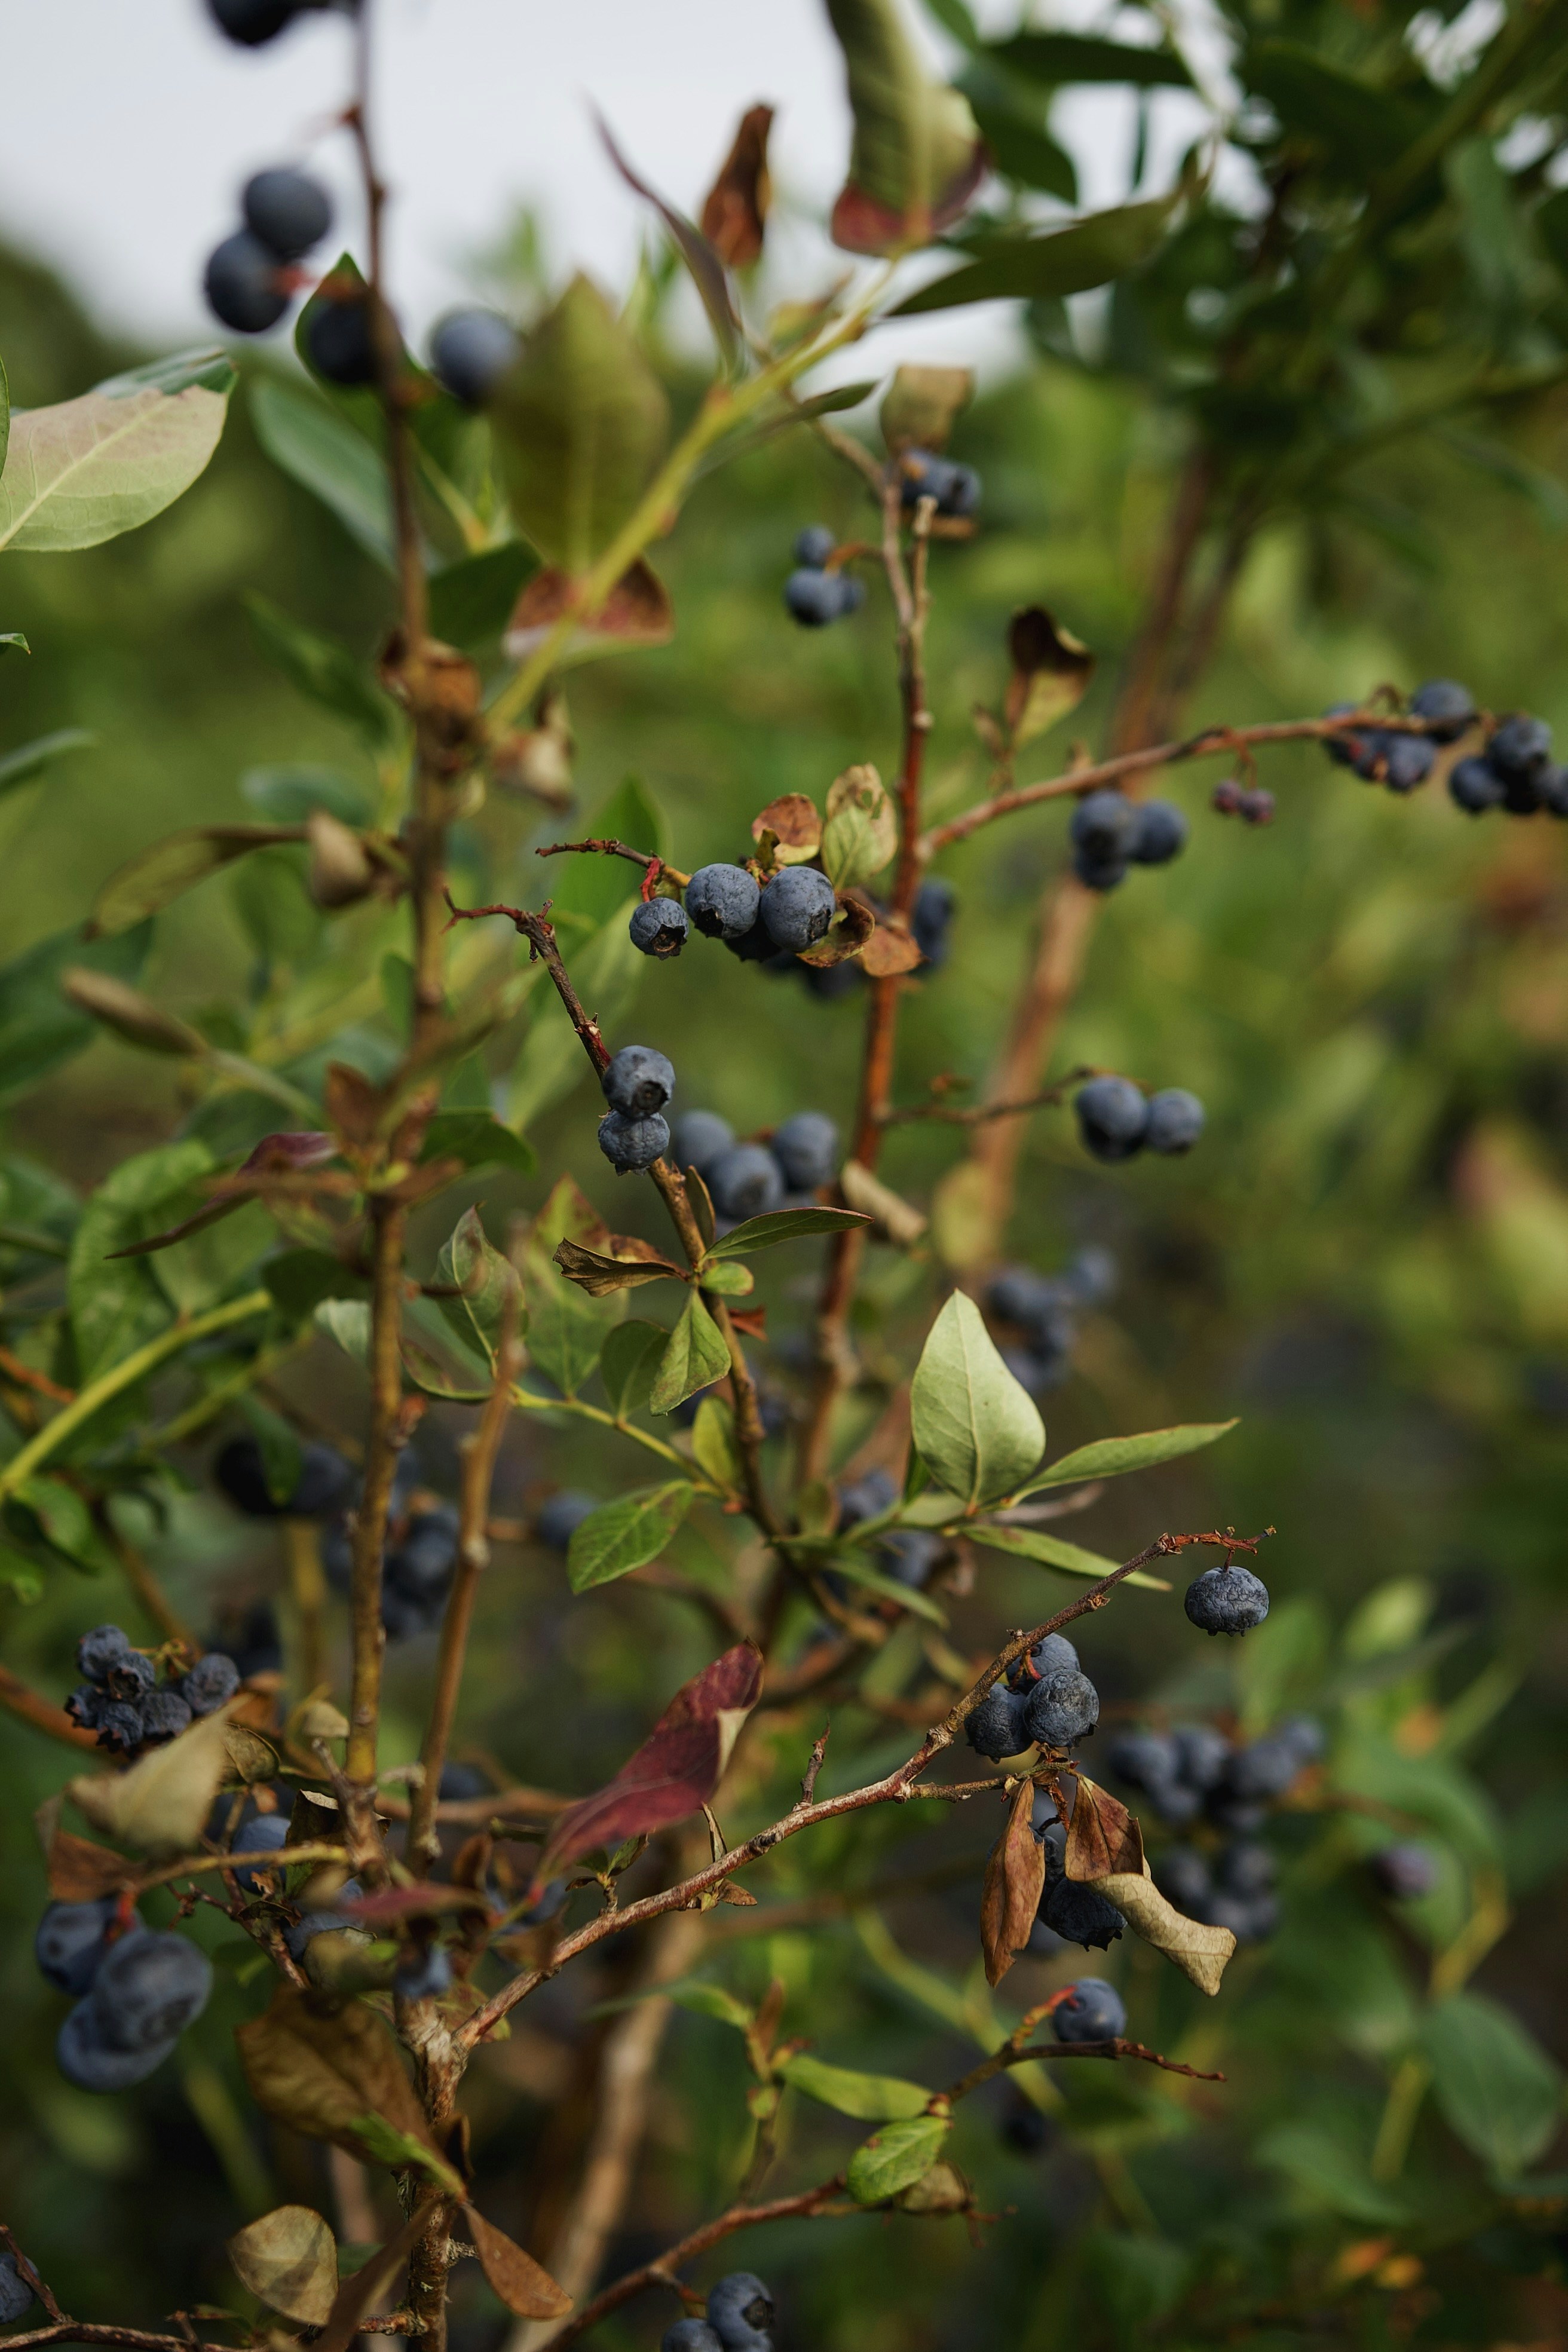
(1102,1836)
(80,1871)
(888,952)
(1051,674)
(735,209)
(921,406)
(599,1273)
(916,157)
(333,2072)
(1201,1953)
(523,2285)
(852,927)
(364,2288)
(288,2258)
(692,244)
(1015,1880)
(636,612)
(795,825)
(674,1772)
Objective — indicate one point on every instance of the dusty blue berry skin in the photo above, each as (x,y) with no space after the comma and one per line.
(1444,699)
(264,1834)
(1159,833)
(561,1515)
(1144,1760)
(812,598)
(700,1138)
(630,1145)
(996,1728)
(71,1941)
(470,352)
(1305,1736)
(425,1978)
(147,1988)
(241,284)
(690,2336)
(797,907)
(1247,1868)
(1112,1118)
(210,1684)
(16,2294)
(321,1923)
(637,1081)
(1176,1121)
(1408,760)
(1265,1769)
(1228,1600)
(956,488)
(340,345)
(91,2063)
(1520,749)
(1202,1755)
(1080,1915)
(935,904)
(1476,786)
(165,1715)
(1092,2011)
(323,1486)
(1404,1873)
(659,926)
(814,545)
(98,1651)
(806,1149)
(288,210)
(1100,874)
(119,1726)
(745,1181)
(131,1676)
(1104,824)
(722,900)
(1061,1709)
(1053,1655)
(741,2312)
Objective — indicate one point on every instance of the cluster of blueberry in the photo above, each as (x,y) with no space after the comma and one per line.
(759,922)
(1069,1912)
(1116,1119)
(1047,1701)
(637,1082)
(955,488)
(740,2319)
(251,277)
(1250,803)
(930,917)
(751,1180)
(136,1990)
(123,1700)
(1041,1308)
(813,595)
(1382,755)
(1515,772)
(1194,1774)
(422,1532)
(1109,832)
(252,23)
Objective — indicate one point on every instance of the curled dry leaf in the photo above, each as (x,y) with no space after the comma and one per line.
(795,827)
(250,1756)
(1103,1836)
(80,1872)
(636,612)
(622,1267)
(1201,1953)
(895,1219)
(1015,1880)
(333,2072)
(161,1804)
(735,210)
(522,2285)
(676,1770)
(921,406)
(942,2189)
(852,927)
(538,760)
(288,2258)
(318,1719)
(1051,674)
(888,952)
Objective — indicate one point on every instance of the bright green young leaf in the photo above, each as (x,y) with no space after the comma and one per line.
(39,1026)
(785,1226)
(1091,252)
(873,2099)
(86,470)
(627,1363)
(1033,1543)
(1058,58)
(975,1425)
(60,1519)
(625,1534)
(118,1304)
(916,157)
(29,759)
(487,1280)
(347,1321)
(1111,1457)
(12,641)
(896,2158)
(695,1356)
(326,456)
(479,1140)
(156,876)
(1499,2091)
(729,1278)
(324,671)
(713,1445)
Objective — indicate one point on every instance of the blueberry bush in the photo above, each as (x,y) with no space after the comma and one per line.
(787,1772)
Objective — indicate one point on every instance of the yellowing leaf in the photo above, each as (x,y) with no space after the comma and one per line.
(1201,1953)
(288,2258)
(84,470)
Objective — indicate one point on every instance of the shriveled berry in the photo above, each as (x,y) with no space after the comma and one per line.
(288,210)
(1159,833)
(132,1676)
(165,1715)
(1092,2010)
(561,1514)
(630,1145)
(1228,1600)
(722,900)
(797,907)
(1176,1121)
(1061,1709)
(638,1080)
(471,351)
(243,285)
(119,1726)
(71,1941)
(806,1149)
(149,1988)
(1112,1118)
(659,926)
(700,1138)
(745,1181)
(98,1651)
(211,1683)
(996,1728)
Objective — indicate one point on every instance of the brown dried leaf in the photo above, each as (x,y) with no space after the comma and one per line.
(1051,674)
(367,2286)
(921,406)
(1015,1879)
(599,1272)
(80,1872)
(796,828)
(736,207)
(888,952)
(1201,1953)
(161,1804)
(1102,1835)
(522,2285)
(852,927)
(332,2071)
(288,2258)
(353,1104)
(637,611)
(894,1217)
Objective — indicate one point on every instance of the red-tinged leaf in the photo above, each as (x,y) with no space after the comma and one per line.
(692,245)
(795,825)
(629,1263)
(301,1148)
(389,1904)
(736,209)
(888,952)
(1103,1836)
(1015,1879)
(676,1770)
(636,612)
(753,1321)
(523,2285)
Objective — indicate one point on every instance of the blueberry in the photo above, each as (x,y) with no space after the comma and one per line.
(132,1676)
(630,1145)
(832,980)
(1305,1736)
(461,1781)
(1092,2011)
(561,1514)
(1079,1914)
(1226,797)
(1408,760)
(955,488)
(797,907)
(1444,699)
(1228,1600)
(288,210)
(1345,750)
(1182,1876)
(1104,824)
(251,23)
(165,1715)
(471,351)
(16,2294)
(1025,2130)
(98,1651)
(996,1727)
(1202,1755)
(71,1940)
(425,1976)
(930,916)
(1159,833)
(1037,1370)
(1555,791)
(637,1081)
(419,1565)
(1145,1760)
(740,2311)
(1176,1121)
(1053,1654)
(1062,1709)
(814,598)
(1247,1868)
(910,1554)
(1521,751)
(322,1921)
(1175,1804)
(1256,806)
(259,1833)
(814,545)
(147,1988)
(1112,1118)
(1238,1816)
(119,1726)
(1098,873)
(211,1683)
(242,284)
(86,2059)
(1404,1873)
(806,1149)
(758,946)
(1264,1770)
(745,1181)
(866,1497)
(1018,1295)
(700,1138)
(322,1487)
(338,340)
(659,926)
(1476,786)
(722,900)
(690,2336)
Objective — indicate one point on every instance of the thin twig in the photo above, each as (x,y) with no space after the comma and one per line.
(978,1113)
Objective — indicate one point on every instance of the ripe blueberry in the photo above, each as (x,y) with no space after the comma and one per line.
(1263,1769)
(1251,1918)
(1098,873)
(561,1514)
(806,1149)
(741,2310)
(339,341)
(909,1555)
(1182,1876)
(1062,1709)
(815,599)
(659,926)
(1159,832)
(1444,699)
(1053,1654)
(98,1651)
(745,1181)
(1202,1755)
(71,1941)
(321,1921)
(638,1080)
(1555,791)
(243,286)
(288,210)
(722,900)
(92,2064)
(251,23)
(1145,1760)
(211,1683)
(814,545)
(630,1145)
(1256,805)
(930,916)
(1025,2130)
(690,2336)
(418,1568)
(1019,1294)
(1408,760)
(147,1988)
(259,1833)
(424,1976)
(1476,786)
(16,2294)
(132,1676)
(1520,749)
(1404,1873)
(866,1497)
(1176,1121)
(1092,2011)
(1228,1600)
(955,488)
(1104,825)
(1305,1735)
(322,1487)
(996,1728)
(797,905)
(1079,1914)
(1112,1118)
(165,1715)
(471,351)
(1091,1277)
(700,1138)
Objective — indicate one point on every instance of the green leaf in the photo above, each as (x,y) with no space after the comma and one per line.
(1499,2091)
(917,158)
(565,1327)
(1345,117)
(291,791)
(1058,58)
(347,1321)
(1111,1457)
(713,1445)
(729,1280)
(1022,151)
(785,1226)
(471,601)
(116,1306)
(861,832)
(896,2158)
(13,642)
(60,1519)
(322,451)
(324,671)
(1333,2170)
(487,1280)
(1091,252)
(1030,1543)
(30,760)
(874,2098)
(156,876)
(627,1363)
(625,1534)
(39,1027)
(300,1279)
(384,2143)
(478,1141)
(975,1425)
(580,425)
(694,1357)
(86,470)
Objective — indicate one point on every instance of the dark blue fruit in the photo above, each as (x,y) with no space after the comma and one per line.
(690,2336)
(561,1514)
(16,2294)
(722,900)
(119,1726)
(92,2064)
(1476,786)
(1247,1868)
(1520,749)
(700,1138)
(1266,1769)
(659,926)
(1079,1914)
(1092,2010)
(1159,833)
(260,1834)
(322,1487)
(1182,1877)
(288,210)
(98,1651)
(424,1977)
(1144,1760)
(243,285)
(251,23)
(1305,1736)
(637,1081)
(1025,2130)
(1098,873)
(756,946)
(419,1567)
(1104,825)
(909,1554)
(1407,761)
(1228,1600)
(1251,1918)
(1202,1755)
(211,1683)
(955,488)
(71,1940)
(1176,1121)
(470,352)
(1053,1654)
(745,1181)
(1062,1709)
(930,918)
(797,907)
(814,545)
(630,1145)
(815,599)
(132,1676)
(996,1728)
(165,1715)
(1404,1873)
(1018,1295)
(806,1149)
(866,1497)
(322,1922)
(740,2311)
(339,341)
(1112,1118)
(147,1988)
(1555,791)
(1446,699)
